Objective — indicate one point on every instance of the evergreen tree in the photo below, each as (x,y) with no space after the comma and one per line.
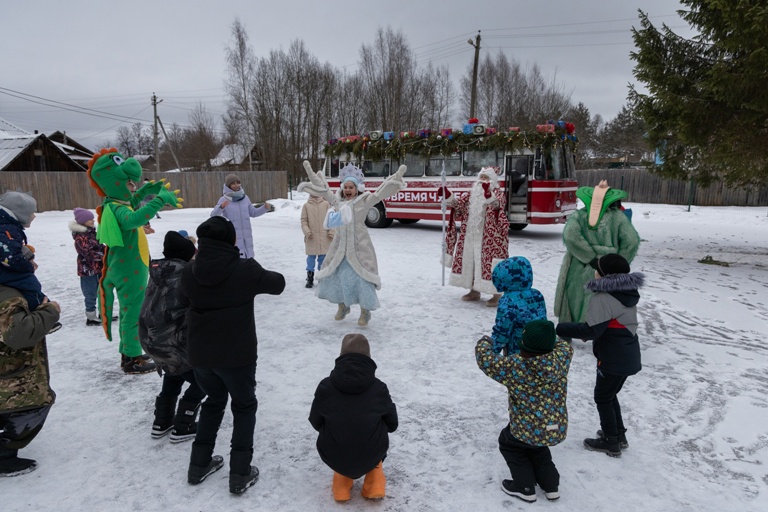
(707,104)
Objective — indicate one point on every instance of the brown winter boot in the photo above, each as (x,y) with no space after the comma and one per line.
(341,487)
(493,301)
(374,484)
(471,296)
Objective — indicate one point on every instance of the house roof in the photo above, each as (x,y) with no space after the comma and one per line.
(12,147)
(230,154)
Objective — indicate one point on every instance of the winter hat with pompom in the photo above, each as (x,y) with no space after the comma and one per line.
(355,343)
(82,215)
(21,205)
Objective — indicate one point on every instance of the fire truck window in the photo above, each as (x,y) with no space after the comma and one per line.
(415,164)
(518,178)
(375,169)
(476,160)
(452,166)
(554,164)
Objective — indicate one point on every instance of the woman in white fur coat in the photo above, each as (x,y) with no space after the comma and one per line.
(350,272)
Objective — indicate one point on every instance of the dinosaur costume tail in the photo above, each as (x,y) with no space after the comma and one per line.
(106,300)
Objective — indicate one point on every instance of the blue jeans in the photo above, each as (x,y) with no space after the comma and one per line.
(90,287)
(219,384)
(311,262)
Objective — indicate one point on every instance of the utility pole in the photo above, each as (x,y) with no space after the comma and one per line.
(473,95)
(157,144)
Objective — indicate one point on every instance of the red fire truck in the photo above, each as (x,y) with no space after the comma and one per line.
(537,170)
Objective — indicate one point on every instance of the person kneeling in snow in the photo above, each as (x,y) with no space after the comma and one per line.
(354,413)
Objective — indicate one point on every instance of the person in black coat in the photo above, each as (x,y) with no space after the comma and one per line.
(612,323)
(354,414)
(219,288)
(163,336)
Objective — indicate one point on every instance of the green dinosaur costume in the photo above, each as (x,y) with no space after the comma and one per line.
(126,260)
(610,232)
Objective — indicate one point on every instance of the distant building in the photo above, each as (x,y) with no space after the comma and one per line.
(21,151)
(234,157)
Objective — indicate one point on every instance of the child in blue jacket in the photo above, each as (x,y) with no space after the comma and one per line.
(519,305)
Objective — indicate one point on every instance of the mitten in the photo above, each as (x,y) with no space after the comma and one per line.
(443,192)
(487,189)
(170,197)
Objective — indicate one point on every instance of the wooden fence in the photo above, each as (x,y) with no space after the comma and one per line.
(644,187)
(67,190)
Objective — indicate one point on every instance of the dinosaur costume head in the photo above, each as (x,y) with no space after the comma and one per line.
(596,200)
(111,174)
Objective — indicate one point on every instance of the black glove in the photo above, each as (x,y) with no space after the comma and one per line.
(593,263)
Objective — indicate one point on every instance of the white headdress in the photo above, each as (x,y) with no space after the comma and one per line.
(351,172)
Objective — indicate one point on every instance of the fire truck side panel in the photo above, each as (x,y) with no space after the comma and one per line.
(551,201)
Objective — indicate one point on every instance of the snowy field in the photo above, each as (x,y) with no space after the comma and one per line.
(697,413)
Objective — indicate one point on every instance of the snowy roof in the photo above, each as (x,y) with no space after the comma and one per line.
(10,148)
(9,131)
(230,154)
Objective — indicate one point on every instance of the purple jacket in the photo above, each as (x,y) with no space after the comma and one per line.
(239,212)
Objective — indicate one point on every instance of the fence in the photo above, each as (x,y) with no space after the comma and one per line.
(67,190)
(644,187)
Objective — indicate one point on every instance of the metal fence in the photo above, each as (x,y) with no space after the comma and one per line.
(67,190)
(644,187)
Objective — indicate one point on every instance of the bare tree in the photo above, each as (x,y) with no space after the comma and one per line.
(509,95)
(239,84)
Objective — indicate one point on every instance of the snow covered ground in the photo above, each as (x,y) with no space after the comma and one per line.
(697,414)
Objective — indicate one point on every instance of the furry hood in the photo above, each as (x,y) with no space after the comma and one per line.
(77,228)
(616,283)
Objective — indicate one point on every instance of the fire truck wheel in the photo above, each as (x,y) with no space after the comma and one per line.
(377,218)
(408,221)
(517,227)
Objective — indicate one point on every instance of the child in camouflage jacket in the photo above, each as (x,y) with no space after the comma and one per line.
(537,380)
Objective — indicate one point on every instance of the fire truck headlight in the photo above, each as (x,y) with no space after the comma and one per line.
(557,203)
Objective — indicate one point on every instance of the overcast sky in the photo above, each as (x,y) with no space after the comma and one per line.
(111,56)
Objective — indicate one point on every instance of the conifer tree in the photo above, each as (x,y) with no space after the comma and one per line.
(706,109)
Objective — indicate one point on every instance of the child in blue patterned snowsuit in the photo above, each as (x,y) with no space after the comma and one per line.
(519,305)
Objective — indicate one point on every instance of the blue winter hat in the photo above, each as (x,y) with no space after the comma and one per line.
(183,233)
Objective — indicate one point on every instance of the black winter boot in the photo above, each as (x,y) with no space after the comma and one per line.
(12,465)
(137,365)
(241,474)
(199,469)
(164,407)
(623,443)
(608,445)
(310,279)
(185,422)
